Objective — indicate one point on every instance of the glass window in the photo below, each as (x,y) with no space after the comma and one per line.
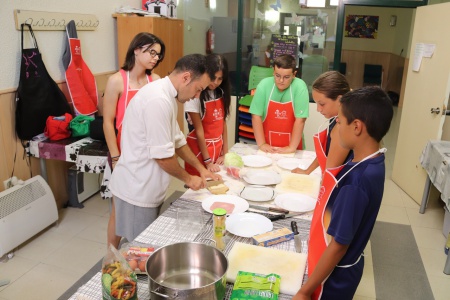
(316,3)
(334,2)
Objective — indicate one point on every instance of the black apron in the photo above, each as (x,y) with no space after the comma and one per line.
(38,96)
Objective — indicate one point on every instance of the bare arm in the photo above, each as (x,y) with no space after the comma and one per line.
(113,91)
(155,76)
(296,136)
(258,130)
(327,262)
(186,154)
(308,171)
(171,166)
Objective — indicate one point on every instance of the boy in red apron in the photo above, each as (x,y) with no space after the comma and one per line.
(206,118)
(279,109)
(144,54)
(347,211)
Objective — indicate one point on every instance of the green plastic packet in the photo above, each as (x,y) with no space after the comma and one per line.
(256,286)
(80,125)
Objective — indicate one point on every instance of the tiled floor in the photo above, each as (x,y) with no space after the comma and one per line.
(50,263)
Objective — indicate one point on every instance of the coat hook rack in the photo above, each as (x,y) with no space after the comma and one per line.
(46,20)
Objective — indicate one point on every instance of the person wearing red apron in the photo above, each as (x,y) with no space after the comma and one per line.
(144,54)
(213,125)
(327,89)
(279,109)
(127,94)
(206,117)
(279,122)
(319,239)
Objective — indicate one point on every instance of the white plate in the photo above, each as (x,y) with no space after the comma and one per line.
(257,193)
(262,177)
(256,161)
(291,163)
(240,205)
(295,202)
(248,224)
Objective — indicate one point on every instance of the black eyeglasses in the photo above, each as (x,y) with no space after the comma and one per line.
(153,53)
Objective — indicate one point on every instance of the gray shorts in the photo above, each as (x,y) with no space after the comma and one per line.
(131,220)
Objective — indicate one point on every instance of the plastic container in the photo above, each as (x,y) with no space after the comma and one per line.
(219,218)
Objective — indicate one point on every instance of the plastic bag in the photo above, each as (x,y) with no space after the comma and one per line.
(233,164)
(80,125)
(119,282)
(136,255)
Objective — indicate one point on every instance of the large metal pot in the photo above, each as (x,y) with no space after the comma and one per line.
(187,271)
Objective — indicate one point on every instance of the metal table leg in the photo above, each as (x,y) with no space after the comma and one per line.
(43,169)
(426,191)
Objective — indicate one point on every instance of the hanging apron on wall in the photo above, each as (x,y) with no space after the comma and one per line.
(321,219)
(279,121)
(213,123)
(80,80)
(38,96)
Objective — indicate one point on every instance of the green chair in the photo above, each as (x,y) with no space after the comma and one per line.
(257,74)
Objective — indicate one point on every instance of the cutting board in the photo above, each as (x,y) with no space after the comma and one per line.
(256,259)
(299,183)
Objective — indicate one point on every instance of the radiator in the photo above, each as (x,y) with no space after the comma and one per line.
(25,210)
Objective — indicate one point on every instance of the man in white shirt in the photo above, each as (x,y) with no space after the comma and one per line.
(150,139)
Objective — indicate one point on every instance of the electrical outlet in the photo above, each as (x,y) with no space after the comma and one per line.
(7,183)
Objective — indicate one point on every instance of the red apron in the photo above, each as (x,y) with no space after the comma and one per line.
(320,145)
(124,100)
(319,224)
(213,122)
(81,82)
(279,121)
(321,217)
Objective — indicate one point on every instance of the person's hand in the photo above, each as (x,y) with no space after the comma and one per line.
(213,167)
(299,296)
(196,183)
(208,174)
(287,149)
(220,160)
(267,148)
(299,171)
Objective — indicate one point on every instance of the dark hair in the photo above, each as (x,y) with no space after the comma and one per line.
(214,64)
(142,39)
(192,63)
(332,84)
(372,106)
(286,61)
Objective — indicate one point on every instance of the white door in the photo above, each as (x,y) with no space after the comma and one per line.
(425,90)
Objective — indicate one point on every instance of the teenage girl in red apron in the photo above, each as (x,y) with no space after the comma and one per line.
(144,54)
(214,104)
(213,124)
(127,94)
(279,121)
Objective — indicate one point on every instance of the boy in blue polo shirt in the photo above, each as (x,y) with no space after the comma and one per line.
(349,216)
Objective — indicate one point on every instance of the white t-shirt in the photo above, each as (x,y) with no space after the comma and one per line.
(150,131)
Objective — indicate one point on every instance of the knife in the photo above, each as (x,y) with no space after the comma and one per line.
(297,240)
(278,217)
(267,208)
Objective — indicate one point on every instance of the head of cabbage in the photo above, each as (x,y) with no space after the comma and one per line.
(233,160)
